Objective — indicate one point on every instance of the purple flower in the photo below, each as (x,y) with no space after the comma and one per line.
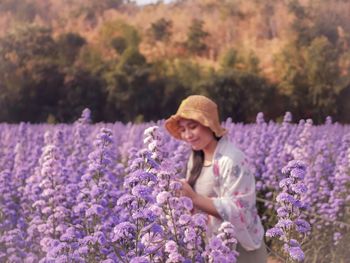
(152,241)
(284,223)
(299,188)
(175,185)
(282,211)
(95,191)
(83,250)
(297,165)
(294,243)
(302,226)
(162,197)
(184,219)
(296,253)
(285,182)
(290,208)
(190,234)
(174,257)
(170,246)
(145,213)
(298,173)
(69,234)
(139,260)
(124,230)
(46,243)
(94,210)
(139,176)
(215,243)
(227,228)
(200,220)
(274,232)
(186,202)
(126,200)
(100,237)
(285,197)
(141,191)
(175,203)
(157,211)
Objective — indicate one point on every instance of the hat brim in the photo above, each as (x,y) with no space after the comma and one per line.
(172,123)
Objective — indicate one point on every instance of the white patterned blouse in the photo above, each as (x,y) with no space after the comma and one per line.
(231,185)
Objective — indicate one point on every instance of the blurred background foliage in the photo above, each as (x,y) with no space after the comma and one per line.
(136,63)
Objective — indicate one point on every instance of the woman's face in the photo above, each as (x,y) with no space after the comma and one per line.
(196,134)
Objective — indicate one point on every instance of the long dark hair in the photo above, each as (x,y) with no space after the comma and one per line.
(198,161)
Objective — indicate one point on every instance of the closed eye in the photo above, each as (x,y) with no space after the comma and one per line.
(193,126)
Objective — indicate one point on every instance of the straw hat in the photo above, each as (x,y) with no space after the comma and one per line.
(198,108)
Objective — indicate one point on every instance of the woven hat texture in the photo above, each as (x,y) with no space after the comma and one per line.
(198,108)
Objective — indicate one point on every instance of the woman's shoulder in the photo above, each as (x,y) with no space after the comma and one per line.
(228,153)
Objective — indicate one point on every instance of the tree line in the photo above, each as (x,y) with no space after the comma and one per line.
(47,77)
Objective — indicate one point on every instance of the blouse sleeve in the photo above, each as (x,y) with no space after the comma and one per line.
(236,200)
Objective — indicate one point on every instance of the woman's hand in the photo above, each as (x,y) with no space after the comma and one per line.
(202,203)
(187,190)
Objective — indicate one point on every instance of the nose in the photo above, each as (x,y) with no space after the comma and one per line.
(187,134)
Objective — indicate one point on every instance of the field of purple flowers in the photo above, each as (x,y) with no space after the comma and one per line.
(109,193)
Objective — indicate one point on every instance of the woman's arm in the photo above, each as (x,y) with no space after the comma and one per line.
(200,202)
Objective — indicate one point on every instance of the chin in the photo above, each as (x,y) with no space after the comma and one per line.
(196,148)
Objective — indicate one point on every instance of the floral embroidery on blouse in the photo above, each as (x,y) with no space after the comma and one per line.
(216,168)
(236,170)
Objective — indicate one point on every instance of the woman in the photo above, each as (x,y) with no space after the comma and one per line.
(218,178)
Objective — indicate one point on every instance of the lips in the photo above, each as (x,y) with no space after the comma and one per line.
(193,141)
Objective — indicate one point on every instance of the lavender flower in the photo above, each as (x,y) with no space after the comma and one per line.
(289,212)
(65,188)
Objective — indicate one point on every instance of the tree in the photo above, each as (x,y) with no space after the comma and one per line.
(344,105)
(69,45)
(127,85)
(119,44)
(22,10)
(30,76)
(323,75)
(242,61)
(27,43)
(81,89)
(91,9)
(292,81)
(240,95)
(119,36)
(161,30)
(195,37)
(316,21)
(229,59)
(311,77)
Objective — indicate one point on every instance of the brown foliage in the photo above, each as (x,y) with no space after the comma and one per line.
(259,26)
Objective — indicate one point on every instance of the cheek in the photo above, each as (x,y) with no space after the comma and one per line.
(196,132)
(207,136)
(205,133)
(182,135)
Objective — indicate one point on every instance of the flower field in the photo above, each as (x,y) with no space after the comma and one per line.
(110,193)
